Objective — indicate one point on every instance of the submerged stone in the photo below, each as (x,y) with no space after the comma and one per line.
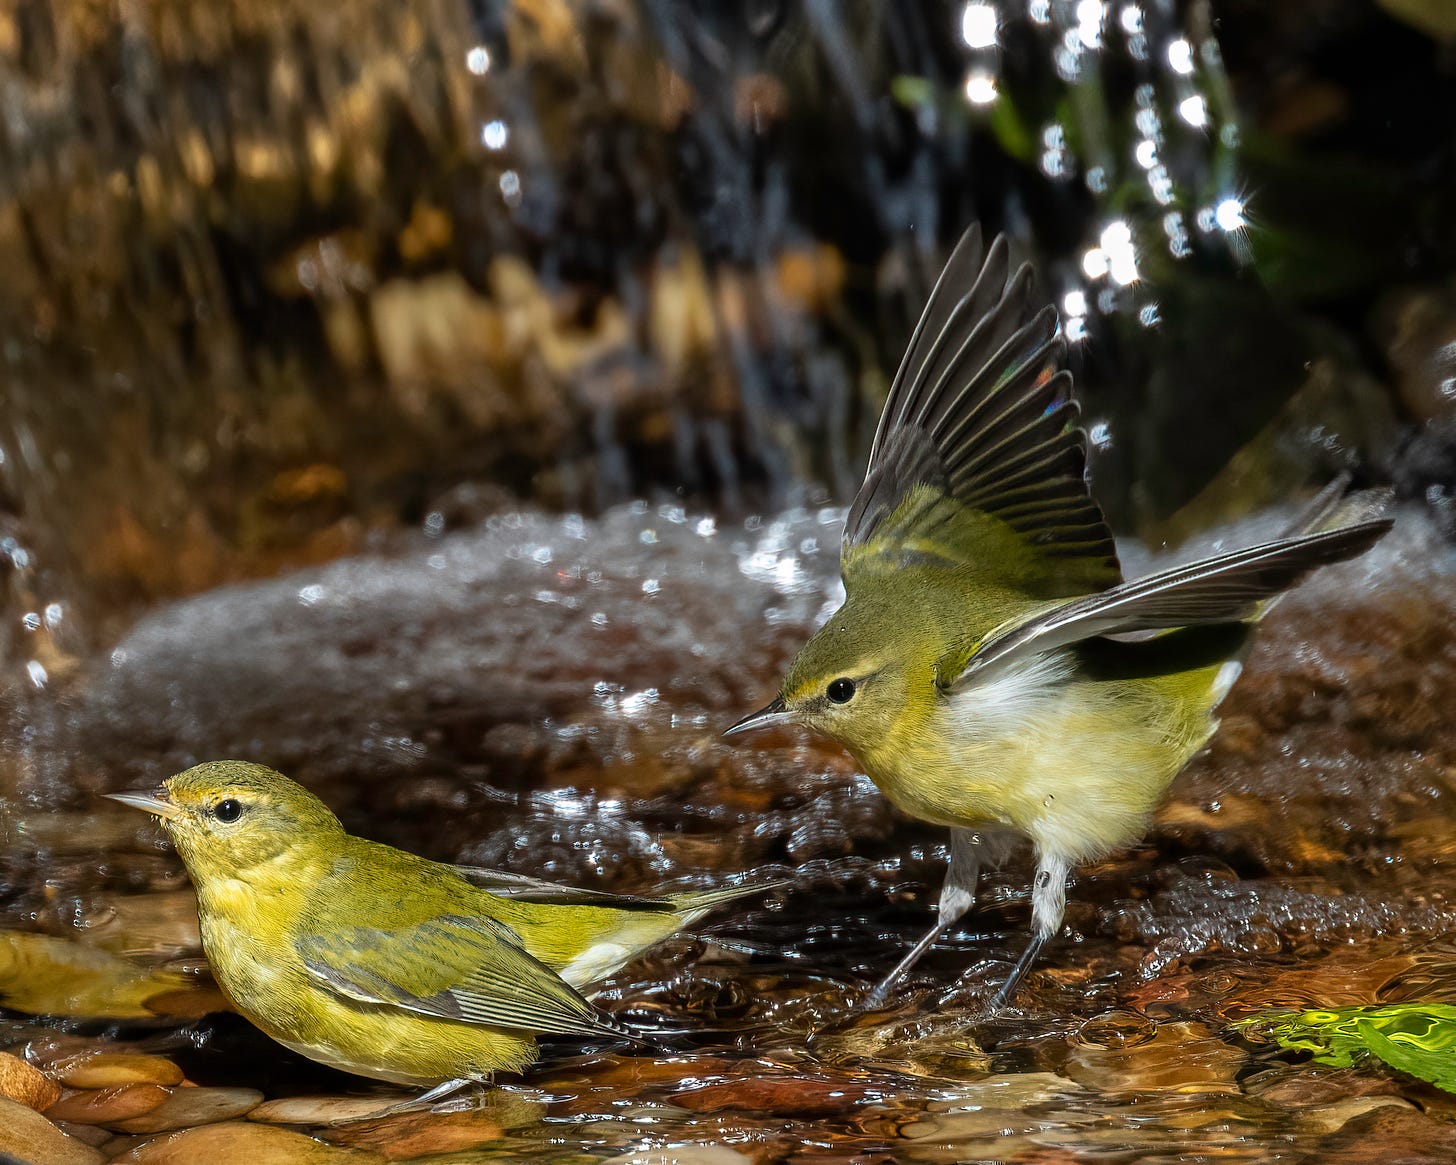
(29,1086)
(27,1136)
(112,1069)
(186,1107)
(240,1143)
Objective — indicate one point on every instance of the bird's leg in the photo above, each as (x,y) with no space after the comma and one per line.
(1048,904)
(957,895)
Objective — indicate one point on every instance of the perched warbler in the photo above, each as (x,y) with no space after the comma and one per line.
(382,963)
(990,669)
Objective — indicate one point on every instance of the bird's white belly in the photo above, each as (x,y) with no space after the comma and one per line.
(1065,763)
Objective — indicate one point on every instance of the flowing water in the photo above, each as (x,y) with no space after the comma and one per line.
(546,695)
(321,322)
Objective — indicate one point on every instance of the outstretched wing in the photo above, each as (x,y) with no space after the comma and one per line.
(978,457)
(468,969)
(1227,589)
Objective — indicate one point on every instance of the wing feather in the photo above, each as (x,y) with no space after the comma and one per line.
(468,969)
(1227,589)
(980,413)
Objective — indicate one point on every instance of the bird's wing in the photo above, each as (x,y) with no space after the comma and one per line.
(1227,589)
(978,456)
(524,888)
(469,969)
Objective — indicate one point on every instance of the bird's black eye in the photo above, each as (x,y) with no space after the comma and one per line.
(228,810)
(840,691)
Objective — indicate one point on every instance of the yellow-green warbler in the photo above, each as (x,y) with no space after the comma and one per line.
(990,669)
(382,963)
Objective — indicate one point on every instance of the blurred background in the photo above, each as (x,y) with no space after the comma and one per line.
(450,402)
(281,276)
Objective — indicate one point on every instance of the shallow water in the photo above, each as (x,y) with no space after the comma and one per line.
(547,694)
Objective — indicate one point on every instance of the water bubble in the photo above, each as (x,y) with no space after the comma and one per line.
(978,25)
(1089,23)
(477,60)
(980,89)
(1229,214)
(494,135)
(510,188)
(1194,110)
(1180,56)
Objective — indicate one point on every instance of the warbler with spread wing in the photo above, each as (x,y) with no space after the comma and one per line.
(380,962)
(990,669)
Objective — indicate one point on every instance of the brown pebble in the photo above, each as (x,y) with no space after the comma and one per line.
(187,1107)
(27,1136)
(318,1110)
(91,1134)
(807,1096)
(241,1143)
(1388,1134)
(113,1069)
(107,1106)
(30,1086)
(416,1134)
(1180,1057)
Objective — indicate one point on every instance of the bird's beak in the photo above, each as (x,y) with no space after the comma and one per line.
(767,716)
(154,802)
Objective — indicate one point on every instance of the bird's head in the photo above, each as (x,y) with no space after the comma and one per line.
(228,816)
(857,679)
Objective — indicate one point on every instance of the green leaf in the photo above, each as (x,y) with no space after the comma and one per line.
(1416,1038)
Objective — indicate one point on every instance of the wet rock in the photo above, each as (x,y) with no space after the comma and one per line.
(27,1136)
(108,1106)
(683,1155)
(240,1143)
(186,1107)
(27,1085)
(798,1095)
(1327,1118)
(1389,1134)
(1179,1057)
(943,1046)
(317,1110)
(93,1135)
(399,1138)
(1013,1090)
(113,1069)
(990,1124)
(583,1086)
(1312,1086)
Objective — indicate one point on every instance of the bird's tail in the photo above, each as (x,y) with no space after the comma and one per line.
(693,904)
(1335,508)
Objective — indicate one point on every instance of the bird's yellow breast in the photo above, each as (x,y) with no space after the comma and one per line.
(1075,764)
(246,928)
